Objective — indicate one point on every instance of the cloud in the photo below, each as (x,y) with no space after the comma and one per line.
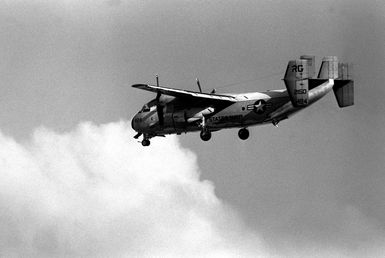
(94,191)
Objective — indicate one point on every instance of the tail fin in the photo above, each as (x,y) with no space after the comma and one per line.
(329,68)
(310,64)
(296,81)
(344,85)
(299,79)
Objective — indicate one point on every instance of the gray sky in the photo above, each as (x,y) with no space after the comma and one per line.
(313,185)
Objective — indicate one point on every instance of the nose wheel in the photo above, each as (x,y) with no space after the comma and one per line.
(205,135)
(243,134)
(146,142)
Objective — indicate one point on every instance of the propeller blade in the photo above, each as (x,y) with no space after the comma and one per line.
(157,84)
(159,110)
(199,85)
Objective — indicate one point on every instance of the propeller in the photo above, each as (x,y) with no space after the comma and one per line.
(199,85)
(200,88)
(159,107)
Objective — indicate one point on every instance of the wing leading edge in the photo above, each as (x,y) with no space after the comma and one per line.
(184,93)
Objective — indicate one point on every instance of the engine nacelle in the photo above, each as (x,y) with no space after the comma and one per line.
(191,115)
(196,114)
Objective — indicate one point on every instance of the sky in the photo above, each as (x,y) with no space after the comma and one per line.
(75,183)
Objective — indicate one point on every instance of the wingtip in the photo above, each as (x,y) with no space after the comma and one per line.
(138,85)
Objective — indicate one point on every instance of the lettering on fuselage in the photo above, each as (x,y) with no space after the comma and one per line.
(302,102)
(234,118)
(300,91)
(297,68)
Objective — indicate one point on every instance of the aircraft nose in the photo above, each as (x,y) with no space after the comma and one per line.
(134,123)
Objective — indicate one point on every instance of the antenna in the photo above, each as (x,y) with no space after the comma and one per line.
(157,80)
(199,85)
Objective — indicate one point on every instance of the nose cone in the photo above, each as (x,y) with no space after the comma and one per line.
(134,123)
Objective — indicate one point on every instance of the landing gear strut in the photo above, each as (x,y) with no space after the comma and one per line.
(243,134)
(205,135)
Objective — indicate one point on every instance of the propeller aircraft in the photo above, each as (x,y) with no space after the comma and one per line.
(177,111)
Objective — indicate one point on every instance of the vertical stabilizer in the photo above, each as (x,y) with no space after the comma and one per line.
(329,68)
(345,71)
(310,65)
(344,85)
(296,81)
(344,92)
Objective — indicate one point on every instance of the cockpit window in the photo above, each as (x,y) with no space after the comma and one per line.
(150,106)
(145,108)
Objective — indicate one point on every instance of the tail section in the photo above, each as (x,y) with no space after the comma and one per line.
(344,85)
(329,68)
(299,80)
(296,81)
(310,64)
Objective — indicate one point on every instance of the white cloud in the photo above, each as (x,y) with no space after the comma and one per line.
(96,192)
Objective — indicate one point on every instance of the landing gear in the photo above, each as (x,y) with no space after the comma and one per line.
(146,142)
(205,135)
(243,134)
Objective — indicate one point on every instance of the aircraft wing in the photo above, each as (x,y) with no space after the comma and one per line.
(185,93)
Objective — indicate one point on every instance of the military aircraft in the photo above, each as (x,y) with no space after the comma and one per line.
(177,111)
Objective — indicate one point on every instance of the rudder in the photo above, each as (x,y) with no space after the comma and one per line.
(296,81)
(344,86)
(329,68)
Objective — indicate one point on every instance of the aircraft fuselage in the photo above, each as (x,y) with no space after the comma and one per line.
(251,109)
(176,111)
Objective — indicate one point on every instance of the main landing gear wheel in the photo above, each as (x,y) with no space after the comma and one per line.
(146,142)
(243,134)
(205,135)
